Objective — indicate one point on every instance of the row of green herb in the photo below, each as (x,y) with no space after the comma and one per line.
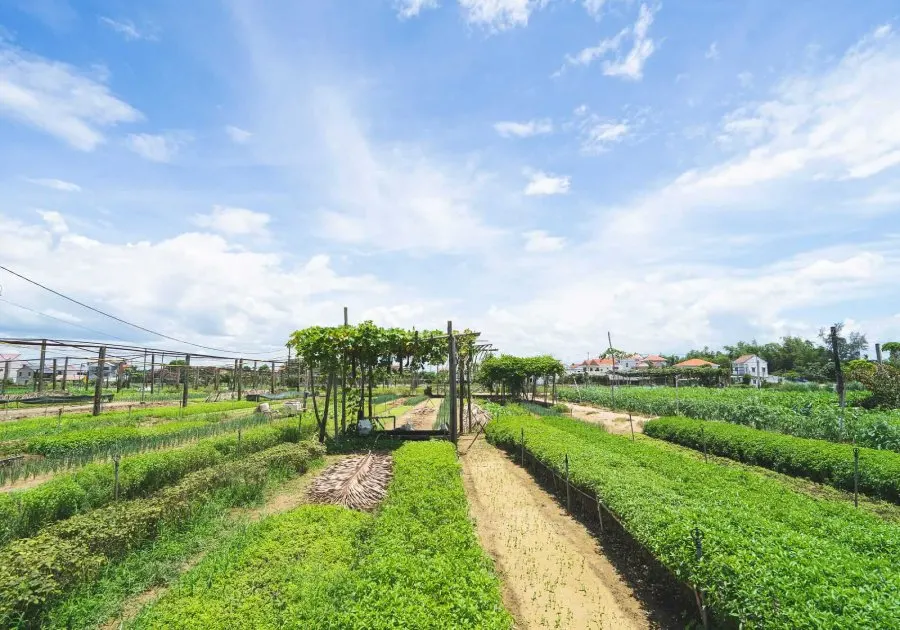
(53,424)
(416,565)
(35,572)
(771,557)
(22,513)
(810,414)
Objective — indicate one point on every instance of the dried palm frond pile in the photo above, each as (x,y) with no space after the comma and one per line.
(358,482)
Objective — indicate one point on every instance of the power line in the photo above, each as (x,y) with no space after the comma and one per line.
(59,319)
(119,319)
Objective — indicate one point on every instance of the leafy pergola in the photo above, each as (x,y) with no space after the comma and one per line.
(514,374)
(346,357)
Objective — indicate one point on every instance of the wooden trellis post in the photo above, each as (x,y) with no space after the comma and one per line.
(187,380)
(53,376)
(452,377)
(98,382)
(39,381)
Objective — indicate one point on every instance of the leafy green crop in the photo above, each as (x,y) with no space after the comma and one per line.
(826,462)
(772,558)
(22,513)
(810,414)
(416,565)
(34,572)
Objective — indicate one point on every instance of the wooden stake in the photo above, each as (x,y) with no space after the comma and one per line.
(98,383)
(152,373)
(116,477)
(568,497)
(855,476)
(53,376)
(187,379)
(272,379)
(451,375)
(632,426)
(39,381)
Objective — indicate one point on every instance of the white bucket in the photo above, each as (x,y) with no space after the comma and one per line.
(364,427)
(263,408)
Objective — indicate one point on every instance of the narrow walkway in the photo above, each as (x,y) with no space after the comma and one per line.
(553,573)
(613,421)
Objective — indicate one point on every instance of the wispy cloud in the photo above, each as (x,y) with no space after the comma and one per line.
(128,30)
(629,65)
(234,221)
(526,129)
(499,15)
(55,184)
(713,51)
(238,135)
(540,242)
(411,8)
(541,183)
(58,99)
(156,148)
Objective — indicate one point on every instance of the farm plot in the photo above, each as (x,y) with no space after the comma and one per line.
(817,460)
(416,564)
(813,414)
(36,572)
(761,554)
(22,513)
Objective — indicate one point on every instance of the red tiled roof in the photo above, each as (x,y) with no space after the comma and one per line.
(654,357)
(696,363)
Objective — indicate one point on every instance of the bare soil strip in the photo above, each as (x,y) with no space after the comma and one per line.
(554,575)
(422,416)
(614,422)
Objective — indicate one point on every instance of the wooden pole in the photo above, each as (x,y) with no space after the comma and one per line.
(98,382)
(187,380)
(53,376)
(343,380)
(234,377)
(469,392)
(452,377)
(240,377)
(5,377)
(878,352)
(39,381)
(272,379)
(612,388)
(216,380)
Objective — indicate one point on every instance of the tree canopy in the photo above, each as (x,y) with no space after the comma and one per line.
(514,372)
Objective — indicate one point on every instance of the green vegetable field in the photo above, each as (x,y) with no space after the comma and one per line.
(810,414)
(771,557)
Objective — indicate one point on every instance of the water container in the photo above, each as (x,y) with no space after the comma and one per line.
(263,408)
(364,427)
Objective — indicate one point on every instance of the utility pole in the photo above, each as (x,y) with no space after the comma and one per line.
(452,376)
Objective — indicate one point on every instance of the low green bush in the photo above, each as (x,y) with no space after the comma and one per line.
(818,460)
(35,572)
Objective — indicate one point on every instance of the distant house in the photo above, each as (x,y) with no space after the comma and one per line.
(750,364)
(14,363)
(25,374)
(656,361)
(695,363)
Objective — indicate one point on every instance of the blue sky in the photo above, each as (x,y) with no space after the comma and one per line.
(545,171)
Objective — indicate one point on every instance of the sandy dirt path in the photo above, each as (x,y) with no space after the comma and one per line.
(553,574)
(614,421)
(422,416)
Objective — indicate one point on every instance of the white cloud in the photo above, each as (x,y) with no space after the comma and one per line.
(713,51)
(238,135)
(599,134)
(58,99)
(234,221)
(223,304)
(156,148)
(523,129)
(540,242)
(745,79)
(594,7)
(55,184)
(411,8)
(541,183)
(631,64)
(55,221)
(499,15)
(127,29)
